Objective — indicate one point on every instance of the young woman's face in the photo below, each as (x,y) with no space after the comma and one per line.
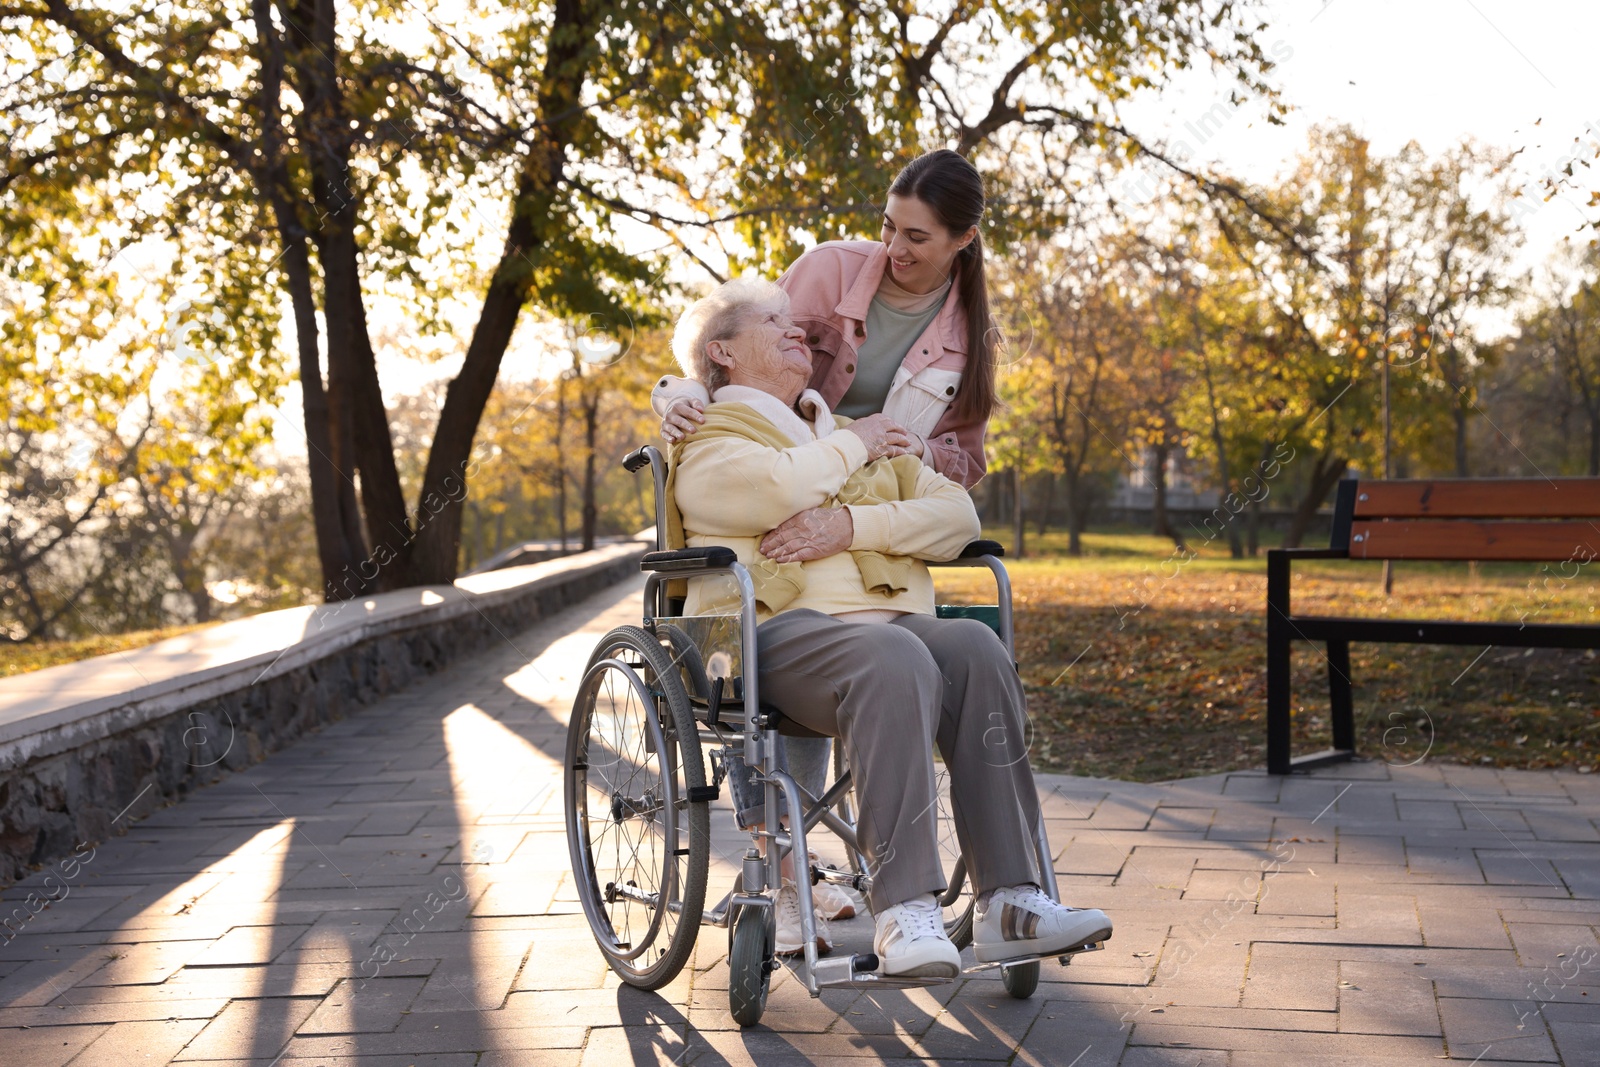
(922,253)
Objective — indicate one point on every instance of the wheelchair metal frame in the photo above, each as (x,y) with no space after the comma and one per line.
(761,870)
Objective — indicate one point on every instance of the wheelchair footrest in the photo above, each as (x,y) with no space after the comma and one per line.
(862,970)
(1064,957)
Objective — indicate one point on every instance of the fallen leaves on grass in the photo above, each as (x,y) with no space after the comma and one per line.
(1150,680)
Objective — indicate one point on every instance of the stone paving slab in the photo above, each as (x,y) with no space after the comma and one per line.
(395,891)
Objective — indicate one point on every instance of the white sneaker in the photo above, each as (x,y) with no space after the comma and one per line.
(788,940)
(1021,920)
(829,900)
(911,941)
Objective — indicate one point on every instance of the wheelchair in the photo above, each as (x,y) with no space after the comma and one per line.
(660,702)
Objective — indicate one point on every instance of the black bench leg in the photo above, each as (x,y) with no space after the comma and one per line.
(1278,637)
(1340,701)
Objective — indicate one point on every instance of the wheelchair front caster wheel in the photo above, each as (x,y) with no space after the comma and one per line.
(749,966)
(1021,980)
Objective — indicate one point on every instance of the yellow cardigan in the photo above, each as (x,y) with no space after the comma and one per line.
(739,477)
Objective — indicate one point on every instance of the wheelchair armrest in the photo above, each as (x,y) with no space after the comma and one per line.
(689,559)
(982,548)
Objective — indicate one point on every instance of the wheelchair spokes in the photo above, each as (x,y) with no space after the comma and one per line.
(957,902)
(639,842)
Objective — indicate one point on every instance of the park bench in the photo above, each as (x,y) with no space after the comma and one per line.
(1542,520)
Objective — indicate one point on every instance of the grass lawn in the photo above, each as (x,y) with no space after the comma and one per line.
(35,656)
(1142,666)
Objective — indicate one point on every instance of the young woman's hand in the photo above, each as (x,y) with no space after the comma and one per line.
(683,417)
(882,435)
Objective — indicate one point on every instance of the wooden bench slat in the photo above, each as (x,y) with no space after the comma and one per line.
(1479,498)
(1536,542)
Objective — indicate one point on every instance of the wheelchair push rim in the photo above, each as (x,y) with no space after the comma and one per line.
(639,846)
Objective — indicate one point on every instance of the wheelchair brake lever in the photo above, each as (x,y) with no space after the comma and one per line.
(714,706)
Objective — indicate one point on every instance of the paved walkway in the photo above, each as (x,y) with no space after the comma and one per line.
(1364,915)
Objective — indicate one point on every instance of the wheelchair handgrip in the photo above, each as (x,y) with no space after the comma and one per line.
(637,459)
(982,548)
(689,559)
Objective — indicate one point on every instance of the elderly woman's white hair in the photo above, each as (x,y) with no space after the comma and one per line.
(727,310)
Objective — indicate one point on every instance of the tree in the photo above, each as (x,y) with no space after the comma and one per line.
(49,511)
(1567,329)
(296,154)
(530,455)
(1378,264)
(1079,315)
(1226,365)
(1460,270)
(1012,445)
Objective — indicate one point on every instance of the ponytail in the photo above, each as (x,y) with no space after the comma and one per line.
(975,399)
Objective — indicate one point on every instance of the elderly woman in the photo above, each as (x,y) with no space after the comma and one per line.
(834,522)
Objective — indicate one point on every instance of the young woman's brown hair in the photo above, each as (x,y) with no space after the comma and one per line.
(953,188)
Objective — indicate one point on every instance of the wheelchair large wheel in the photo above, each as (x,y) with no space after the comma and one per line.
(639,844)
(686,654)
(750,965)
(958,902)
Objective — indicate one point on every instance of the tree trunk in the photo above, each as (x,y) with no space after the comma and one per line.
(1326,471)
(1594,443)
(191,579)
(1460,414)
(591,418)
(1235,549)
(1017,546)
(994,504)
(317,79)
(1160,521)
(435,553)
(354,391)
(1078,516)
(1252,521)
(342,437)
(561,463)
(332,490)
(1049,502)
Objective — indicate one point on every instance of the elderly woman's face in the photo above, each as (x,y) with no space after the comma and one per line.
(768,354)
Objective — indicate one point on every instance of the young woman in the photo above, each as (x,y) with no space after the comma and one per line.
(900,326)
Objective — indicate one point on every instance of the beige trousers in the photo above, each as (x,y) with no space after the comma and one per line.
(891,691)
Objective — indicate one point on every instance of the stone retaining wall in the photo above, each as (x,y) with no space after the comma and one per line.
(85,773)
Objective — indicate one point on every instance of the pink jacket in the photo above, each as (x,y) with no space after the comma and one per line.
(830,288)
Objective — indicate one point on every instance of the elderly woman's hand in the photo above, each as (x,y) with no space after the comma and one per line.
(682,418)
(812,534)
(882,435)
